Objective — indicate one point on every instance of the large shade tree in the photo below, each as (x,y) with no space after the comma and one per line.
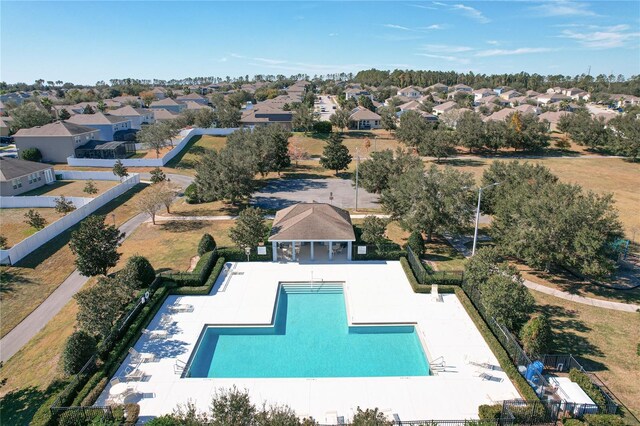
(95,245)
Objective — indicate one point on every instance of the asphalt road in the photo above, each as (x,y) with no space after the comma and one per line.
(327,103)
(283,193)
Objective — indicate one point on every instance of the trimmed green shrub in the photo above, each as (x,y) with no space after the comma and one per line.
(603,420)
(31,154)
(388,255)
(207,243)
(78,349)
(322,127)
(572,422)
(206,288)
(132,412)
(588,387)
(415,285)
(536,336)
(142,270)
(416,243)
(234,254)
(93,395)
(88,387)
(191,194)
(490,412)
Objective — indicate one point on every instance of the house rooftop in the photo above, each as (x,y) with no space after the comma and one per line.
(312,222)
(11,168)
(361,113)
(57,128)
(96,119)
(164,102)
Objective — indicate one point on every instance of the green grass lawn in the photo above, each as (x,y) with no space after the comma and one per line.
(196,147)
(72,188)
(442,256)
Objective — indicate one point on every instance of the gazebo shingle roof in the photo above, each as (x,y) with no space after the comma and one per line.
(312,222)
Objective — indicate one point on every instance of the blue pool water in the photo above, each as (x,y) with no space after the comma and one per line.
(311,338)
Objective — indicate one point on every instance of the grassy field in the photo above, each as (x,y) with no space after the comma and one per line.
(601,175)
(14,227)
(442,256)
(197,146)
(72,188)
(25,285)
(605,341)
(378,141)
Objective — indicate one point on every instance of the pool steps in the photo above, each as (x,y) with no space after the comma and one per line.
(316,287)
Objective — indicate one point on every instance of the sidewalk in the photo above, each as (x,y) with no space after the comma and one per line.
(458,242)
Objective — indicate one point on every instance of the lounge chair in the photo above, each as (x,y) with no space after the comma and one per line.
(156,334)
(138,357)
(115,381)
(135,374)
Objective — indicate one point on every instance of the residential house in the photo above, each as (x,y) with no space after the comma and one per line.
(438,87)
(577,94)
(410,106)
(499,90)
(137,116)
(56,141)
(20,176)
(510,94)
(196,106)
(161,114)
(462,88)
(527,109)
(555,89)
(356,93)
(4,128)
(263,114)
(482,93)
(553,117)
(159,93)
(445,107)
(622,100)
(2,107)
(501,115)
(111,127)
(112,150)
(363,119)
(127,100)
(531,93)
(168,104)
(547,98)
(411,92)
(193,97)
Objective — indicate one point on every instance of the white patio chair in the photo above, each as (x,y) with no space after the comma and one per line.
(156,334)
(115,381)
(138,357)
(133,374)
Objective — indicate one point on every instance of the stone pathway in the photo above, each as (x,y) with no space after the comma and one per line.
(458,242)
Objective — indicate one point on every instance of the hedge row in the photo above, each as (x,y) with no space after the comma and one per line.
(204,289)
(234,254)
(417,287)
(588,387)
(387,255)
(199,274)
(501,354)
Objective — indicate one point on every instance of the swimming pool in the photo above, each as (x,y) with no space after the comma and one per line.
(310,338)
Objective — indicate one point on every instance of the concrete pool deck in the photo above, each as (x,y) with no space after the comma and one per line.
(375,292)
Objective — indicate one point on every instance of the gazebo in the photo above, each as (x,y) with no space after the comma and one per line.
(312,231)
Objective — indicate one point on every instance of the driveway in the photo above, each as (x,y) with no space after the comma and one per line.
(283,193)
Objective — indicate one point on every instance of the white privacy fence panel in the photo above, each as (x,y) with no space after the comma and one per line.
(77,175)
(19,202)
(29,244)
(186,135)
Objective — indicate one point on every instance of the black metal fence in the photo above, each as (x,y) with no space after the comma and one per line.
(82,415)
(508,421)
(425,276)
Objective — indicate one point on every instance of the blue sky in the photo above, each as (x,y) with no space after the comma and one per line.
(83,41)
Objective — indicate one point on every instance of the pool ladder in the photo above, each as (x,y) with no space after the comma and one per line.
(438,364)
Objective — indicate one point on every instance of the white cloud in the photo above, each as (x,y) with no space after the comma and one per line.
(421,6)
(493,42)
(222,59)
(435,27)
(471,13)
(396,27)
(445,58)
(604,37)
(564,8)
(518,51)
(445,48)
(333,34)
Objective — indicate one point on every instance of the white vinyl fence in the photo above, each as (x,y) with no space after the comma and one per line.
(185,134)
(31,243)
(77,175)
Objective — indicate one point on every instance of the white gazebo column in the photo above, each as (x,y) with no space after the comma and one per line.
(274,249)
(293,251)
(348,250)
(330,250)
(311,252)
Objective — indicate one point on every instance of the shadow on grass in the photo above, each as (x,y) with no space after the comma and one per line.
(566,326)
(10,278)
(46,188)
(19,406)
(49,249)
(183,225)
(459,162)
(175,161)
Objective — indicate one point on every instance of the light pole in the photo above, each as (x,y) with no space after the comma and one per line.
(357,163)
(475,233)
